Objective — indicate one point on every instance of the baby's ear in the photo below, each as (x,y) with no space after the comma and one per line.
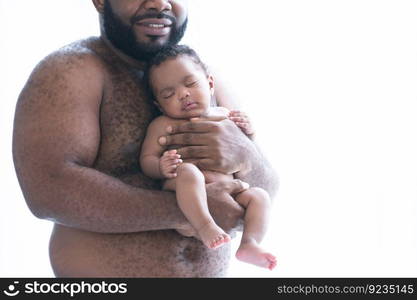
(158,105)
(210,80)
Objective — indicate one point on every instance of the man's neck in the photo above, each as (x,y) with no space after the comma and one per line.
(124,57)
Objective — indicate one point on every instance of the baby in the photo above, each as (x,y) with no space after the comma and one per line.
(183,89)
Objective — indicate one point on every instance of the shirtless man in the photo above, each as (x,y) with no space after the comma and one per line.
(80,121)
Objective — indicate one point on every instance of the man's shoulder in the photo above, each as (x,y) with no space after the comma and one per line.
(78,56)
(71,70)
(72,66)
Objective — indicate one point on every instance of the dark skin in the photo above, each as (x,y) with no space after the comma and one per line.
(203,142)
(80,121)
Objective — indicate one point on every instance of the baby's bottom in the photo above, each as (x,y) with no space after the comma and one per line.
(190,188)
(257,204)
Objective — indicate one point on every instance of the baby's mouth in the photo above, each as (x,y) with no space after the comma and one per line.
(189,105)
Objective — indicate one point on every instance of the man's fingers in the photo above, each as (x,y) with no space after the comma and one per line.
(195,126)
(236,186)
(205,163)
(182,139)
(216,118)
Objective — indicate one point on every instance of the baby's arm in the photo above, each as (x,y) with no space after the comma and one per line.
(243,122)
(152,163)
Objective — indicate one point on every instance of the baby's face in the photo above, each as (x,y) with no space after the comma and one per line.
(181,87)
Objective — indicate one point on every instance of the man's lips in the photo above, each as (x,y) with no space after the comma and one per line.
(157,21)
(155,27)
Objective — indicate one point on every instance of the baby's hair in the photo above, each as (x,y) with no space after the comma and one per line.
(167,53)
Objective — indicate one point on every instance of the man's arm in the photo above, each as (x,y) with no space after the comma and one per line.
(258,172)
(55,142)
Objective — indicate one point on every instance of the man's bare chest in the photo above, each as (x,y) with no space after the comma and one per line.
(125,114)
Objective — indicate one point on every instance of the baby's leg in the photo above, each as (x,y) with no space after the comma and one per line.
(257,205)
(192,199)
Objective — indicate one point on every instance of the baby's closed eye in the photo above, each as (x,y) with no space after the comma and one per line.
(191,83)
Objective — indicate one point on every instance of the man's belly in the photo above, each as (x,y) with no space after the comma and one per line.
(76,253)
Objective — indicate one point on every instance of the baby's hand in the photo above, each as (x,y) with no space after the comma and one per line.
(168,163)
(242,121)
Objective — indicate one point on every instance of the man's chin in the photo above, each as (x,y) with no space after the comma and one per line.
(152,41)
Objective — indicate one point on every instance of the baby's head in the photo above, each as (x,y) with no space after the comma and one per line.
(180,83)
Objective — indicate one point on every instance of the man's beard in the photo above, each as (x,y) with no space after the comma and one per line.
(123,37)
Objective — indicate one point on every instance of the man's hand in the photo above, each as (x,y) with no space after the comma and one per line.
(169,163)
(227,213)
(212,145)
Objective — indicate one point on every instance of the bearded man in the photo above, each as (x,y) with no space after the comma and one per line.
(80,121)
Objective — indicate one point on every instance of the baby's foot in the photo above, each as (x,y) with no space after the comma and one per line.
(213,236)
(253,254)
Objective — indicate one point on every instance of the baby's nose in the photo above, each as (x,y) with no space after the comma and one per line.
(184,95)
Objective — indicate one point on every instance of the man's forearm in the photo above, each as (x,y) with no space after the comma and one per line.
(258,172)
(87,199)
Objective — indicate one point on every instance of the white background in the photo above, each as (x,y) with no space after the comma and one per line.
(331,88)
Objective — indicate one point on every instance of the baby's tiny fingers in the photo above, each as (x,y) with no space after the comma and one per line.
(237,119)
(240,114)
(166,153)
(174,161)
(235,112)
(165,159)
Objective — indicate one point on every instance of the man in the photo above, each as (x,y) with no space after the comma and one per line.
(80,121)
